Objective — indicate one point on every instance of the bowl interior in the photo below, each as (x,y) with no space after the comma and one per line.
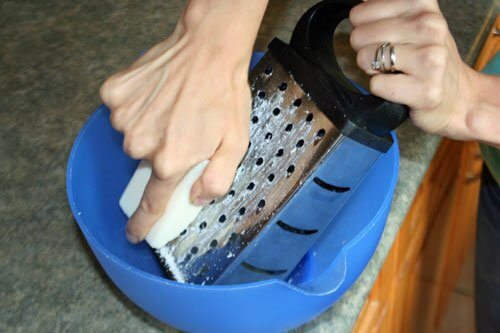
(99,171)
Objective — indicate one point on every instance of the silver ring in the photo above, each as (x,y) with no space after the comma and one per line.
(379,63)
(392,56)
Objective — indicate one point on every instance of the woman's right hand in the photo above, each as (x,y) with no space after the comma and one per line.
(187,100)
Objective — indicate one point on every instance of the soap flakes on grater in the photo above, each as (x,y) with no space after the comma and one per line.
(284,129)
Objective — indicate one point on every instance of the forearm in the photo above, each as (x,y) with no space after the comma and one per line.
(228,26)
(483,119)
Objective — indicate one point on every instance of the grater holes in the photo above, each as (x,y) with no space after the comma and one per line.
(309,117)
(276,111)
(222,218)
(268,70)
(194,250)
(212,202)
(261,204)
(213,243)
(289,127)
(262,94)
(270,177)
(203,225)
(188,257)
(282,86)
(300,143)
(233,236)
(280,152)
(259,161)
(251,186)
(255,120)
(269,136)
(183,232)
(320,134)
(297,102)
(242,211)
(290,170)
(249,144)
(231,193)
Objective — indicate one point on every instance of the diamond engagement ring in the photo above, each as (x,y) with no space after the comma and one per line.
(381,57)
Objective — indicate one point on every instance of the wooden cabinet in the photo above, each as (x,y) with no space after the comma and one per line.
(414,285)
(413,288)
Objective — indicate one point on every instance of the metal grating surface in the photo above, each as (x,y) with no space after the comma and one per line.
(288,137)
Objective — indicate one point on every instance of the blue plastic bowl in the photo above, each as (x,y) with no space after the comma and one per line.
(98,172)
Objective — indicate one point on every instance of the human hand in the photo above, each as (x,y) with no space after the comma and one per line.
(186,100)
(431,78)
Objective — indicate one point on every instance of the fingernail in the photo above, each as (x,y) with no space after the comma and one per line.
(131,238)
(201,202)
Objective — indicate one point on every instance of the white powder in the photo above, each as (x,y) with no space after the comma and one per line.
(172,265)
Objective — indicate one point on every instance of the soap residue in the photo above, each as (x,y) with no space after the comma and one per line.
(172,265)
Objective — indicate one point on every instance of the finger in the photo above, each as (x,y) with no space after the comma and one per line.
(121,115)
(426,62)
(376,10)
(404,55)
(152,206)
(425,29)
(404,89)
(142,142)
(219,173)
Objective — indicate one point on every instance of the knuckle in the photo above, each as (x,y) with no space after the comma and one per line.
(431,25)
(164,168)
(135,229)
(355,15)
(150,207)
(109,91)
(215,183)
(375,85)
(195,11)
(116,119)
(433,94)
(433,56)
(132,145)
(355,38)
(362,60)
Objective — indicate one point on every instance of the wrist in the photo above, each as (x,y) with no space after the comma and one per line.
(228,26)
(483,114)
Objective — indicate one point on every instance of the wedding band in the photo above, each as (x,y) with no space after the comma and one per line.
(379,63)
(392,56)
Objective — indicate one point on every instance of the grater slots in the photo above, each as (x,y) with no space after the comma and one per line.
(312,140)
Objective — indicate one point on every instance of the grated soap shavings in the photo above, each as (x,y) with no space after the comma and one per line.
(172,265)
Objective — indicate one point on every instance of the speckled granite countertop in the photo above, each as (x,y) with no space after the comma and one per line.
(53,57)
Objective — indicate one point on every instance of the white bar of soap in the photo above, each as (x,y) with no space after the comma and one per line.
(180,212)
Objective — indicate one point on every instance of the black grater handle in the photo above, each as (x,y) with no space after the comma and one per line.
(310,58)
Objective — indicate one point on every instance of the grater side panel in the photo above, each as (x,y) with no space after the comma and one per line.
(289,137)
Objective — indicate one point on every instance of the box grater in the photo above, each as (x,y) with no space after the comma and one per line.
(313,137)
